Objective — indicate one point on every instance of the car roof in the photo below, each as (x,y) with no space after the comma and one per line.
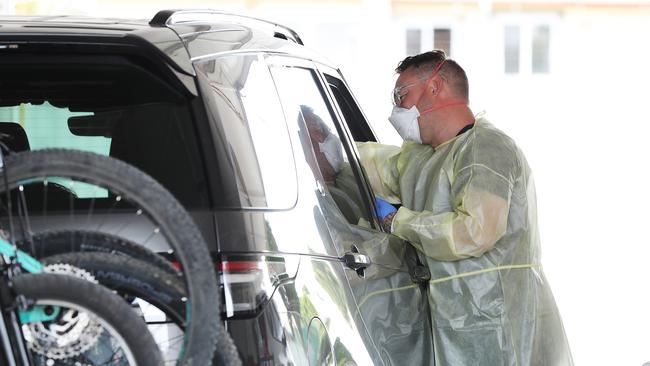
(200,33)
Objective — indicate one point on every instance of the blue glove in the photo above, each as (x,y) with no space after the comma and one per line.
(383,208)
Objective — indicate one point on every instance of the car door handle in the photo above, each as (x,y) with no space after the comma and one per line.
(356,261)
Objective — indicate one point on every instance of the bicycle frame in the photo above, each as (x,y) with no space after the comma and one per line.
(24,260)
(12,343)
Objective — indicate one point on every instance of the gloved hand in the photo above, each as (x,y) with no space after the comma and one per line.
(383,208)
(386,212)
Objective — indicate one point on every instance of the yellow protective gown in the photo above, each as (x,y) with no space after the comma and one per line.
(469,208)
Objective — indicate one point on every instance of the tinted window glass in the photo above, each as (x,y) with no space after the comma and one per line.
(354,119)
(156,138)
(250,124)
(34,127)
(46,126)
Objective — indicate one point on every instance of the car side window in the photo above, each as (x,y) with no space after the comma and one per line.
(357,125)
(303,101)
(353,116)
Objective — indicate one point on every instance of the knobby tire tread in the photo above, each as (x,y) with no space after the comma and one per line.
(49,243)
(131,276)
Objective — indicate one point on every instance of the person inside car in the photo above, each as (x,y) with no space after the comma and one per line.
(326,145)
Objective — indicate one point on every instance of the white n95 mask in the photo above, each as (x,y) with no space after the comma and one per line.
(331,147)
(405,122)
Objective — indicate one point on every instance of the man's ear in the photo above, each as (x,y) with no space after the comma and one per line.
(433,86)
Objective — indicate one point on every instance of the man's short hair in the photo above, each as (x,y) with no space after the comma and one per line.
(450,71)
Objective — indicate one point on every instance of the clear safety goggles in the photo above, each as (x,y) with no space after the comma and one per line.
(398,94)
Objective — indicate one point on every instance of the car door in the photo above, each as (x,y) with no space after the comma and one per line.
(286,299)
(327,304)
(390,306)
(391,298)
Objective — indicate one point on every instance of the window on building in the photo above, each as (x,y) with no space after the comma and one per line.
(540,48)
(413,41)
(442,39)
(512,45)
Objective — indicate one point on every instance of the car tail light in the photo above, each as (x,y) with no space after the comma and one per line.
(248,282)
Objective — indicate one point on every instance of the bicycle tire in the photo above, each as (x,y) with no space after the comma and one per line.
(130,276)
(115,314)
(50,243)
(135,280)
(204,331)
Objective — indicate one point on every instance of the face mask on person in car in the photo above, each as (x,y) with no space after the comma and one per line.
(331,147)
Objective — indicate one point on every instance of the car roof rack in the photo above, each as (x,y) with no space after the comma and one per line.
(166,18)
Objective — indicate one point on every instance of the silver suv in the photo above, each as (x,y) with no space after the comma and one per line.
(255,135)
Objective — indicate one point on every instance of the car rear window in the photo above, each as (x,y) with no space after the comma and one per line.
(108,105)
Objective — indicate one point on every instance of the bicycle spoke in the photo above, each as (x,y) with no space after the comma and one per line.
(45,190)
(71,199)
(25,218)
(172,341)
(90,211)
(155,232)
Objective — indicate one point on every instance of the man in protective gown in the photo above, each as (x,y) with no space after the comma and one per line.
(467,203)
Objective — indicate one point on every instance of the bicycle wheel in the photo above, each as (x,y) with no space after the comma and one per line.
(93,327)
(49,243)
(131,278)
(112,196)
(156,294)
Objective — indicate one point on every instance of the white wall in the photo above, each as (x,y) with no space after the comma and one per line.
(584,128)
